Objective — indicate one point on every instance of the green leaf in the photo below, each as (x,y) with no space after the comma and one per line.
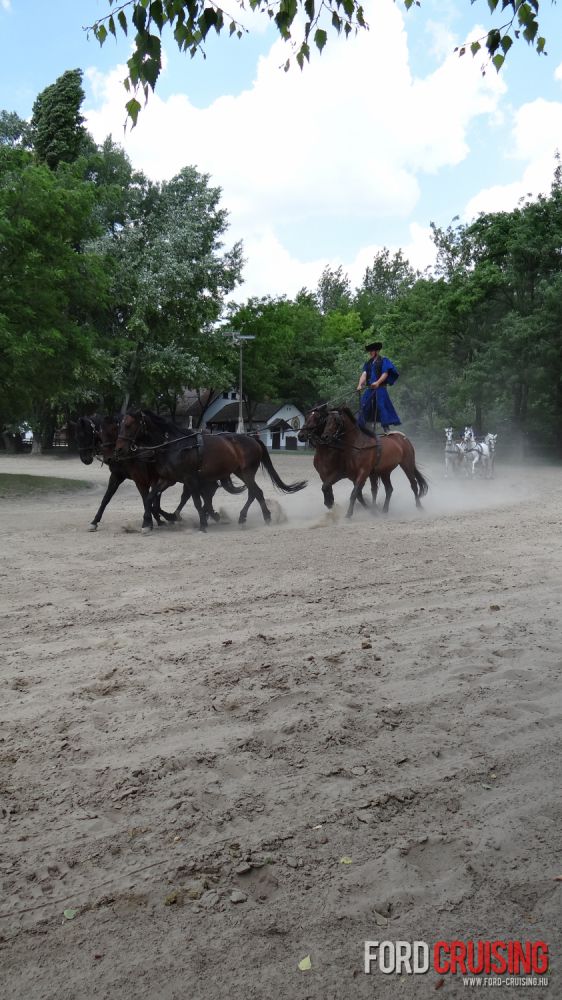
(69,914)
(122,21)
(101,33)
(524,14)
(133,107)
(498,61)
(475,47)
(151,71)
(530,31)
(157,14)
(305,964)
(320,38)
(111,26)
(506,43)
(139,18)
(302,54)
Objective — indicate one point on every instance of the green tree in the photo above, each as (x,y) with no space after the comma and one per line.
(387,278)
(291,345)
(171,275)
(51,290)
(305,24)
(334,290)
(57,130)
(14,131)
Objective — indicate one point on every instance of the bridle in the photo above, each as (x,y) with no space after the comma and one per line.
(334,440)
(94,449)
(132,438)
(314,434)
(142,429)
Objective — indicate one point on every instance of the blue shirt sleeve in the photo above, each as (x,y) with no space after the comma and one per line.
(391,371)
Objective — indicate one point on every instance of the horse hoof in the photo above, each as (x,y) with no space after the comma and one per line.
(92,527)
(145,531)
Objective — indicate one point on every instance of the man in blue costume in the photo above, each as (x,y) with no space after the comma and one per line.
(375,404)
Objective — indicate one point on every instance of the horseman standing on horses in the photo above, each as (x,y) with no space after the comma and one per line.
(375,405)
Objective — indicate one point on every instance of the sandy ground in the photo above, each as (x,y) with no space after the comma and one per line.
(187,716)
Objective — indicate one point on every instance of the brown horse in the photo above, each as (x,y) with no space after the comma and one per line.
(328,459)
(344,451)
(197,460)
(96,436)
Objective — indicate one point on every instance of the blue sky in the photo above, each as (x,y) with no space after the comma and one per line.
(378,137)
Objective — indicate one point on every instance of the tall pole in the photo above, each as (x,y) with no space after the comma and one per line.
(241,397)
(241,430)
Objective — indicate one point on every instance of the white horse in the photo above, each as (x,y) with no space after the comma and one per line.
(454,453)
(478,453)
(490,440)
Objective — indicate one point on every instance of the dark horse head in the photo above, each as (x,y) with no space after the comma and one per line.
(88,438)
(314,424)
(132,429)
(96,437)
(333,427)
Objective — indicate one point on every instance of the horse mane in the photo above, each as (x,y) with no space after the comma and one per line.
(344,410)
(161,423)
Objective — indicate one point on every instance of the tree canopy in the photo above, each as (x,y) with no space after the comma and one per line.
(115,289)
(192,20)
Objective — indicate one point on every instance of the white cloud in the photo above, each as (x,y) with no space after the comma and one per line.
(6,4)
(343,142)
(536,137)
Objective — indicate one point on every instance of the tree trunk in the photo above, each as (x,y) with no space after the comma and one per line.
(478,416)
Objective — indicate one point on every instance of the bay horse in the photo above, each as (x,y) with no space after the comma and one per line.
(363,455)
(327,459)
(96,437)
(198,460)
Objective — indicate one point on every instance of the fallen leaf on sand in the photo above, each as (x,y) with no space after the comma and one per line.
(345,861)
(305,964)
(440,983)
(69,914)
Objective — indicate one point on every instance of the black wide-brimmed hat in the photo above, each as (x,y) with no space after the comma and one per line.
(375,346)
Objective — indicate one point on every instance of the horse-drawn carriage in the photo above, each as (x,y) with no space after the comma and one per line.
(469,456)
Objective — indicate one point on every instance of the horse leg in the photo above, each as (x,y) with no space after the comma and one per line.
(208,493)
(388,490)
(254,493)
(157,511)
(199,507)
(185,495)
(147,499)
(261,500)
(413,483)
(328,492)
(151,502)
(114,483)
(358,486)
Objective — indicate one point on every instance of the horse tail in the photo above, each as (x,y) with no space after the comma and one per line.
(423,485)
(267,464)
(229,486)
